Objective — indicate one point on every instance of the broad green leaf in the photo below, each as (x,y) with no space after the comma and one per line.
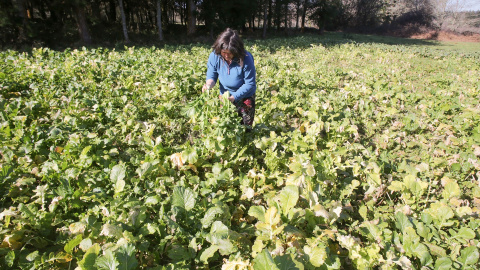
(210,215)
(401,221)
(436,250)
(441,214)
(421,251)
(85,244)
(73,243)
(288,198)
(469,256)
(287,262)
(117,173)
(208,253)
(443,263)
(111,230)
(179,253)
(225,247)
(257,247)
(107,261)
(89,258)
(396,186)
(264,261)
(152,200)
(258,212)
(30,257)
(410,239)
(190,155)
(217,232)
(10,257)
(183,197)
(125,255)
(465,233)
(316,255)
(451,190)
(144,169)
(272,217)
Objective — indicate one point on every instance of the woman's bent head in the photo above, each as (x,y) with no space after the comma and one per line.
(229,45)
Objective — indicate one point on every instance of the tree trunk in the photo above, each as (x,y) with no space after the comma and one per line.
(95,7)
(82,24)
(22,12)
(269,14)
(277,14)
(124,21)
(112,11)
(165,14)
(298,13)
(304,12)
(286,14)
(265,19)
(159,19)
(191,7)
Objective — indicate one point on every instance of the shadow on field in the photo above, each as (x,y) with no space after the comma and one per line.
(175,39)
(331,39)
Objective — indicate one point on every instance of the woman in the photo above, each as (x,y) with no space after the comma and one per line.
(233,66)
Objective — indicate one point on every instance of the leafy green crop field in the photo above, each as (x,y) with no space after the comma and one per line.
(364,154)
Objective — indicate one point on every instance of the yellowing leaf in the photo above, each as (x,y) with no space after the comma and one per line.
(177,159)
(77,227)
(237,265)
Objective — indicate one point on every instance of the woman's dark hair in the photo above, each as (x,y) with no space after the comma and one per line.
(230,40)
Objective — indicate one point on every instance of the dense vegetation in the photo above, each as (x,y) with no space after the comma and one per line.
(60,24)
(363,155)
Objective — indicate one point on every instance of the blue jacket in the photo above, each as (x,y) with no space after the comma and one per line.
(239,81)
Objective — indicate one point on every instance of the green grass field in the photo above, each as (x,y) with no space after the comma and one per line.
(364,155)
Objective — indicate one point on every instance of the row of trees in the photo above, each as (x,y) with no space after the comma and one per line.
(51,20)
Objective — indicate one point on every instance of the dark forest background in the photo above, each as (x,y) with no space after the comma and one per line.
(57,23)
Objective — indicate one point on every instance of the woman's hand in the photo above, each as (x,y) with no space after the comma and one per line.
(208,85)
(231,98)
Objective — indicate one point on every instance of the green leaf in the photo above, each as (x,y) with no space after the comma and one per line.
(210,215)
(179,253)
(107,261)
(89,258)
(10,257)
(421,251)
(401,221)
(469,256)
(208,253)
(183,197)
(217,232)
(264,261)
(125,255)
(117,173)
(396,186)
(85,244)
(443,263)
(316,255)
(436,250)
(451,190)
(73,243)
(144,169)
(288,198)
(225,247)
(190,155)
(30,257)
(287,262)
(258,212)
(466,233)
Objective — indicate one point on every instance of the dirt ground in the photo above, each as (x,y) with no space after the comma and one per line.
(447,36)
